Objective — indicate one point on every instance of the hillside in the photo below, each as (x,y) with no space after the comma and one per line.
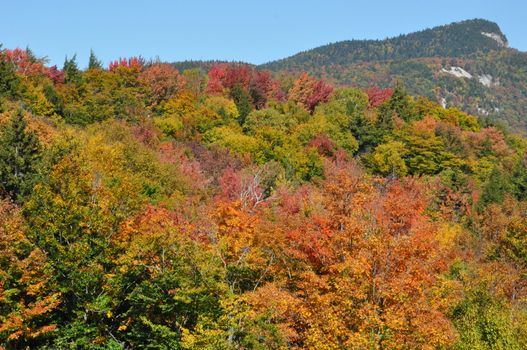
(467,65)
(224,207)
(204,66)
(453,40)
(144,208)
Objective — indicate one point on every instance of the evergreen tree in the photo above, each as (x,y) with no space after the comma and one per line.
(19,156)
(8,78)
(401,103)
(494,191)
(519,180)
(71,70)
(242,99)
(94,62)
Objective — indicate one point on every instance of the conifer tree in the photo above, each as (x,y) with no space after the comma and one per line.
(71,70)
(8,77)
(94,62)
(19,156)
(243,102)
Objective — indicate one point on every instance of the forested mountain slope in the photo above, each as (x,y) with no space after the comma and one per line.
(467,65)
(146,208)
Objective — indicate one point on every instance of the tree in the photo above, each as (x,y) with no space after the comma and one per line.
(94,62)
(495,189)
(309,92)
(28,296)
(377,96)
(71,70)
(237,80)
(133,63)
(163,80)
(387,159)
(243,102)
(19,158)
(9,81)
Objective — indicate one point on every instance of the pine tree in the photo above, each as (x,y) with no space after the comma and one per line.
(242,99)
(19,156)
(495,189)
(8,78)
(94,62)
(71,70)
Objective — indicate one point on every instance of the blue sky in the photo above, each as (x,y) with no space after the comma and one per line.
(252,31)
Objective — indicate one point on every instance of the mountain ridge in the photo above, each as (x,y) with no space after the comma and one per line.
(466,64)
(484,35)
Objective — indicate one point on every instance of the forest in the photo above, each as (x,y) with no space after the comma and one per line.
(144,207)
(419,60)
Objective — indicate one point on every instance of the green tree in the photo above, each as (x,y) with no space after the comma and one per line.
(387,159)
(9,81)
(71,70)
(519,180)
(495,189)
(94,62)
(19,158)
(243,102)
(484,323)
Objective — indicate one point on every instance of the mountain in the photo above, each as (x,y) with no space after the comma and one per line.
(453,40)
(466,64)
(202,65)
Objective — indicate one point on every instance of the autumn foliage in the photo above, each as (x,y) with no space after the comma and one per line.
(144,207)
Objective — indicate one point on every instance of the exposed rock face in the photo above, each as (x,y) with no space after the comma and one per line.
(486,79)
(495,37)
(457,72)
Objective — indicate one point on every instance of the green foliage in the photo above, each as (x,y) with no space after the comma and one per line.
(94,62)
(101,95)
(400,104)
(19,158)
(167,217)
(71,70)
(387,159)
(9,81)
(418,60)
(453,40)
(243,102)
(519,180)
(483,323)
(428,154)
(495,188)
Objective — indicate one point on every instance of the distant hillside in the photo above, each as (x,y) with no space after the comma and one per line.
(453,40)
(202,65)
(466,64)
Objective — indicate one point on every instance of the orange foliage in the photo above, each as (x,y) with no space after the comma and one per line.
(34,297)
(163,80)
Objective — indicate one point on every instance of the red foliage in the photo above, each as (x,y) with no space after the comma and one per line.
(313,242)
(23,62)
(291,202)
(28,65)
(310,91)
(263,87)
(230,185)
(216,78)
(377,96)
(259,84)
(134,63)
(226,76)
(324,145)
(55,74)
(401,207)
(164,81)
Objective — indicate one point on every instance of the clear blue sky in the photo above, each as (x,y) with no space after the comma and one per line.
(246,30)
